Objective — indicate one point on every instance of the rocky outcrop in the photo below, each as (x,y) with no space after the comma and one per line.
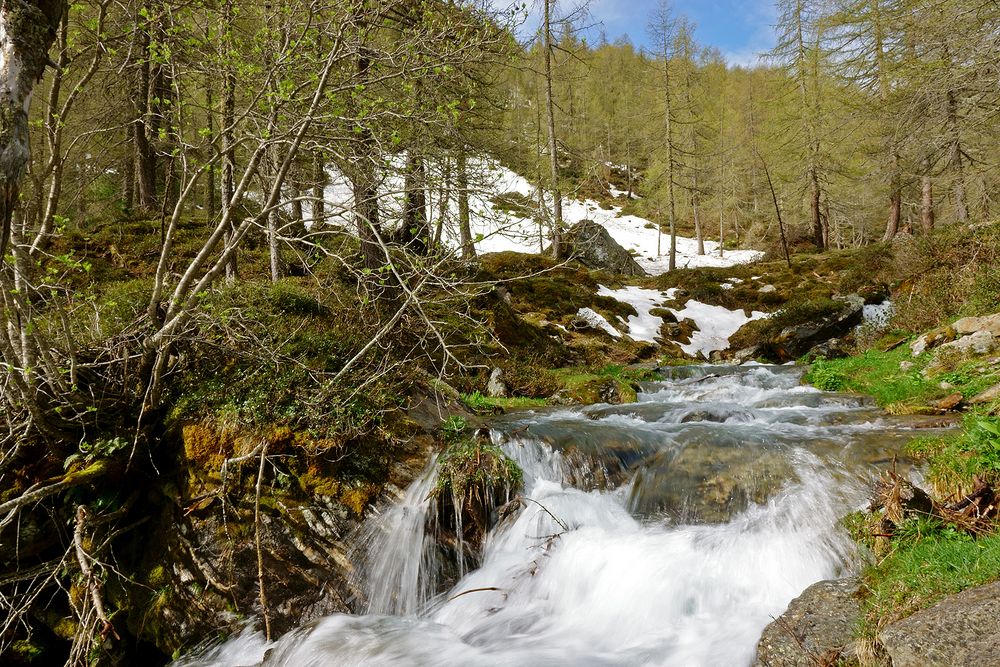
(969,335)
(590,244)
(817,628)
(991,395)
(957,631)
(497,387)
(970,325)
(814,334)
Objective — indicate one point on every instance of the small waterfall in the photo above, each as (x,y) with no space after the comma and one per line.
(580,574)
(399,563)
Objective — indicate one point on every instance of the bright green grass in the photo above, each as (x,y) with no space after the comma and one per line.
(477,402)
(881,375)
(925,566)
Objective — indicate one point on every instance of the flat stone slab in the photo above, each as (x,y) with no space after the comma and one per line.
(960,630)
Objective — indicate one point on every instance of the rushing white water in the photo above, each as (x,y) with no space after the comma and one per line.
(580,575)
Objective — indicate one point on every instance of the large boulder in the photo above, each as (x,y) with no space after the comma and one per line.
(590,244)
(970,325)
(796,341)
(959,630)
(817,628)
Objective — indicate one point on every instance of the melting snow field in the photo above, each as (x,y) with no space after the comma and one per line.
(500,230)
(716,324)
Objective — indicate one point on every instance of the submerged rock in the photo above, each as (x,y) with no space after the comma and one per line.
(959,630)
(816,629)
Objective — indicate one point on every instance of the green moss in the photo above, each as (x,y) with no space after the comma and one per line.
(472,466)
(158,577)
(878,374)
(24,651)
(477,402)
(901,382)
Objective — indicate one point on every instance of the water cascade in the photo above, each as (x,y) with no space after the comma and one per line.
(665,532)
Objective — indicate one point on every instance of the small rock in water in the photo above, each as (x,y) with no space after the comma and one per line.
(496,388)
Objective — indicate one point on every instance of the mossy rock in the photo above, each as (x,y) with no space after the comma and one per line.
(475,478)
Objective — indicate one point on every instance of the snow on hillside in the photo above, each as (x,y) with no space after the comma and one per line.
(500,230)
(716,324)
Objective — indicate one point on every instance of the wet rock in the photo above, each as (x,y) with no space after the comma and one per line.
(816,629)
(496,388)
(708,483)
(959,630)
(749,354)
(590,244)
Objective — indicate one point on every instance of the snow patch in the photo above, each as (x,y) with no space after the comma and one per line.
(876,316)
(716,325)
(643,326)
(496,229)
(598,321)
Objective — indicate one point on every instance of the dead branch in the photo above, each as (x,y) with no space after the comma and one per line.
(90,580)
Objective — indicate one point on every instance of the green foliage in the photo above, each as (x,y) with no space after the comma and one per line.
(826,377)
(928,561)
(102,448)
(453,428)
(477,402)
(470,464)
(956,461)
(878,374)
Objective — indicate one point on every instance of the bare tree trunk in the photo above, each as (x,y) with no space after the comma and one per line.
(228,184)
(210,193)
(416,232)
(144,158)
(926,197)
(955,158)
(697,220)
(557,213)
(464,221)
(444,199)
(669,120)
(895,202)
(28,30)
(318,189)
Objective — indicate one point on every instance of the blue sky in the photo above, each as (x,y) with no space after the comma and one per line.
(740,29)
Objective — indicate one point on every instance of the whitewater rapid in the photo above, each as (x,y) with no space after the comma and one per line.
(622,552)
